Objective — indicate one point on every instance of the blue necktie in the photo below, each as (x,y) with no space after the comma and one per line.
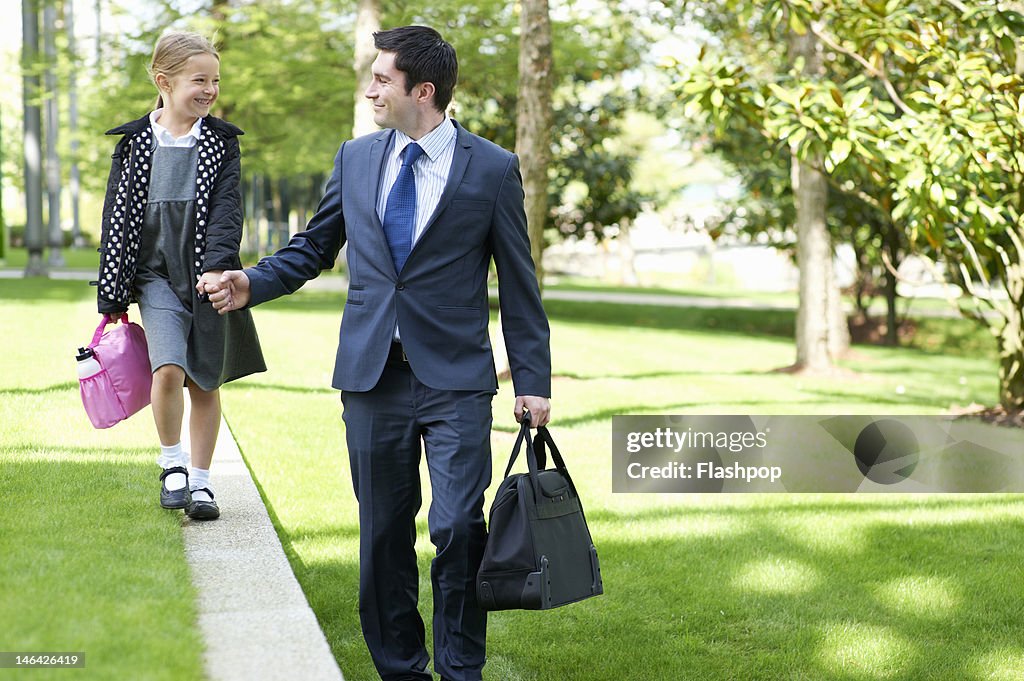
(400,211)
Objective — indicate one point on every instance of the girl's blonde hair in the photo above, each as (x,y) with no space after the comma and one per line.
(171,53)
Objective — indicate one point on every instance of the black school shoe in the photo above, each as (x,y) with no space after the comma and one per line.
(179,498)
(202,510)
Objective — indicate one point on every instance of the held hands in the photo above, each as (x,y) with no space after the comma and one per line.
(208,281)
(227,290)
(539,407)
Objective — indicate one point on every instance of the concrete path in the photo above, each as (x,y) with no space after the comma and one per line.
(253,616)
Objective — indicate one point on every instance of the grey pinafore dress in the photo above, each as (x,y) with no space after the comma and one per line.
(180,330)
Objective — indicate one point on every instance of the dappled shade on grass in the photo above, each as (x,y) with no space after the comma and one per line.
(784,586)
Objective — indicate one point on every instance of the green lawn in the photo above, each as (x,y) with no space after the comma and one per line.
(697,586)
(88,259)
(88,560)
(74,258)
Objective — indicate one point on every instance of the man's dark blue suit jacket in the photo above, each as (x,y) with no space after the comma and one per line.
(439,299)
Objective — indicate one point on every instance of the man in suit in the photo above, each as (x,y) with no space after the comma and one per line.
(423,206)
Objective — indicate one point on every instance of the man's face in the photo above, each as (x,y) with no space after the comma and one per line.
(392,107)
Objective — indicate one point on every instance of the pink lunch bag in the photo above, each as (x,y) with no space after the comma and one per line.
(122,384)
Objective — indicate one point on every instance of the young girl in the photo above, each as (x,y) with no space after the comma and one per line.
(172,220)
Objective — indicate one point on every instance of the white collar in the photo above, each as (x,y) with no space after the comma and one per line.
(433,143)
(166,139)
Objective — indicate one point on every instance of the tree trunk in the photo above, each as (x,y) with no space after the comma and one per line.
(839,326)
(98,11)
(627,256)
(78,239)
(53,181)
(815,314)
(255,216)
(3,222)
(284,192)
(1011,336)
(534,119)
(1011,341)
(367,21)
(814,256)
(1011,364)
(33,142)
(533,140)
(270,210)
(892,245)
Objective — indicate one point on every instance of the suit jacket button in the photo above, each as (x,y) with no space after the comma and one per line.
(400,287)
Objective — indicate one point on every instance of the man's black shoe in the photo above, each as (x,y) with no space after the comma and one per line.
(179,498)
(202,510)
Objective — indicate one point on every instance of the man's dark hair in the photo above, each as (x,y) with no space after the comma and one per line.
(424,57)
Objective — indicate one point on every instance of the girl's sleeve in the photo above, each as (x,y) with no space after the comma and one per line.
(224,230)
(107,306)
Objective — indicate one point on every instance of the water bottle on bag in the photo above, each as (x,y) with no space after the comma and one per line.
(88,365)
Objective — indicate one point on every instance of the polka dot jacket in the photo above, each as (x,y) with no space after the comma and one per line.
(218,219)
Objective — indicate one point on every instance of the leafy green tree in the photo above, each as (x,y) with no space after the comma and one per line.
(933,116)
(597,168)
(587,50)
(286,81)
(288,78)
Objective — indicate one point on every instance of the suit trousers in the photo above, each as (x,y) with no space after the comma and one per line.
(384,430)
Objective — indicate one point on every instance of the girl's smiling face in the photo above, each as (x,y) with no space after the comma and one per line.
(194,89)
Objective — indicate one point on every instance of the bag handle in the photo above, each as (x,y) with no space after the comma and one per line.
(107,319)
(535,451)
(531,456)
(544,436)
(524,435)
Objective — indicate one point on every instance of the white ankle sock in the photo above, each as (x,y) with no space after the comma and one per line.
(199,478)
(171,457)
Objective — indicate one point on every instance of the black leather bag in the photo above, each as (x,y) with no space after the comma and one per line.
(539,552)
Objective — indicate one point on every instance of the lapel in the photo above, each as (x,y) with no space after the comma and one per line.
(375,171)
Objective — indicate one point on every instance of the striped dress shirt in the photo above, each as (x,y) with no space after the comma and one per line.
(430,170)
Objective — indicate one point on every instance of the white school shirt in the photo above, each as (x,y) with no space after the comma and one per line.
(164,137)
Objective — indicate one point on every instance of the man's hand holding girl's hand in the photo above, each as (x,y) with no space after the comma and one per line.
(208,282)
(227,290)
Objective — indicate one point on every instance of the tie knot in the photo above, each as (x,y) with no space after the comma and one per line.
(411,152)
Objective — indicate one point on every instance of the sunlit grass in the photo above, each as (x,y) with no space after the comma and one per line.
(776,575)
(88,560)
(806,586)
(865,651)
(921,596)
(1005,663)
(803,586)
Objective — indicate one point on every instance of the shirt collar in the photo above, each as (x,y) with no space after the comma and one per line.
(433,143)
(162,133)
